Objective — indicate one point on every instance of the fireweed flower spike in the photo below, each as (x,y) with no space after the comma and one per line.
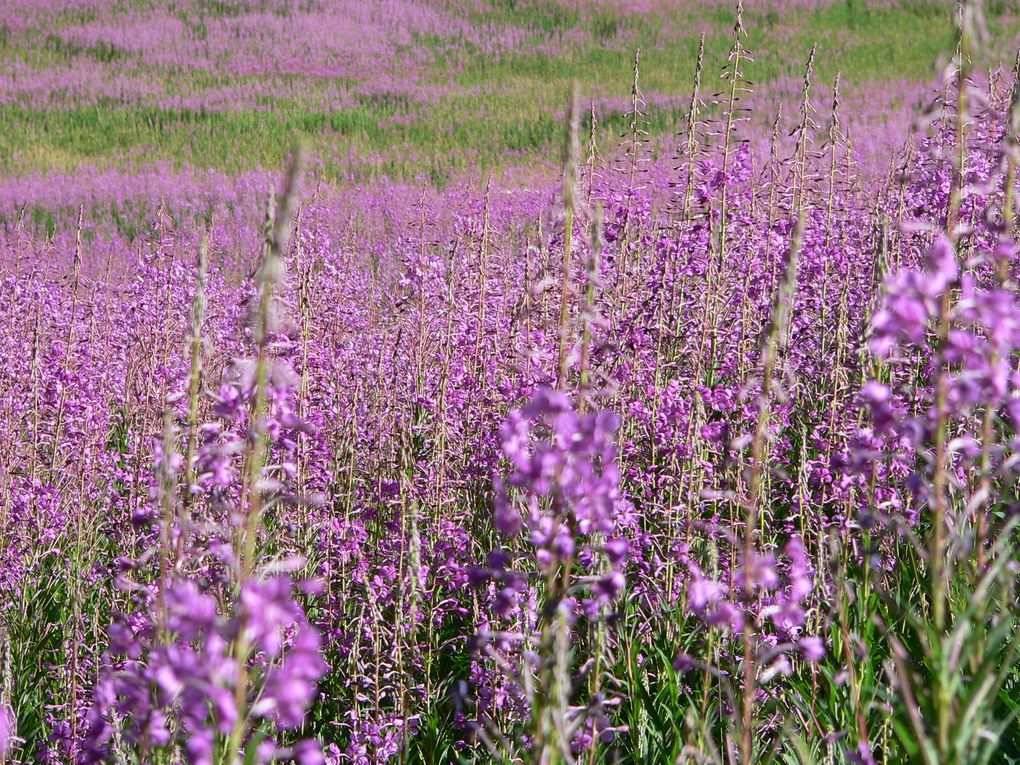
(199,681)
(564,496)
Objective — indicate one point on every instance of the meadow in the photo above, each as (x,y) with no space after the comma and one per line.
(509,381)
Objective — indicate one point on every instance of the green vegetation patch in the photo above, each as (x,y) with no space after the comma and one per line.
(498,107)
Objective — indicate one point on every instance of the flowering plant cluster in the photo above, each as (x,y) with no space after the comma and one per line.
(175,685)
(758,595)
(704,452)
(563,500)
(219,653)
(571,504)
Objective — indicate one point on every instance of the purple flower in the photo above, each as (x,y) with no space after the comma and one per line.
(269,610)
(863,755)
(877,398)
(758,573)
(291,685)
(726,615)
(6,728)
(506,518)
(812,648)
(703,593)
(309,752)
(682,662)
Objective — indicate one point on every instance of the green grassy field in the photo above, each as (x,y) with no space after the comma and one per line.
(494,110)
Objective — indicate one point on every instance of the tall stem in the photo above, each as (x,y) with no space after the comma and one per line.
(569,192)
(774,341)
(270,274)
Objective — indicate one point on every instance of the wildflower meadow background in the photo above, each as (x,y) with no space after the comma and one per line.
(509,381)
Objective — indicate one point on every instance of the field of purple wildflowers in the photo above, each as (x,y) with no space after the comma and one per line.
(509,381)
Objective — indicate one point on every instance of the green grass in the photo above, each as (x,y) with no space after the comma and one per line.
(499,106)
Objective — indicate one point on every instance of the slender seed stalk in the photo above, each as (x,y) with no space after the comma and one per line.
(835,136)
(588,314)
(774,171)
(690,141)
(775,340)
(271,273)
(483,269)
(738,54)
(569,192)
(198,308)
(70,337)
(804,129)
(939,570)
(636,134)
(593,156)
